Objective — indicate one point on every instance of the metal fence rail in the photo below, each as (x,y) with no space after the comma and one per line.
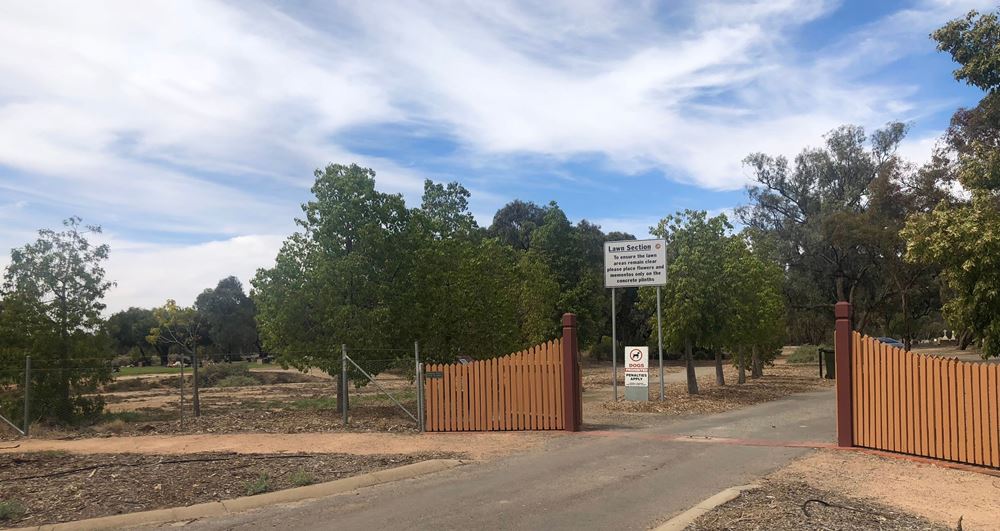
(26,390)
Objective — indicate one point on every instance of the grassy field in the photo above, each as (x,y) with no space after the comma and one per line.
(134,371)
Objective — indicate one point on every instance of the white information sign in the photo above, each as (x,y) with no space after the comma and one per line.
(632,263)
(636,366)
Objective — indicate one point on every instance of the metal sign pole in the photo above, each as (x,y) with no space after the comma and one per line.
(614,348)
(659,340)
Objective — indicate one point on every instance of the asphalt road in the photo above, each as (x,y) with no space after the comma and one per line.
(624,479)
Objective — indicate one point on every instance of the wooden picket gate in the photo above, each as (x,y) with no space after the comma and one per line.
(535,389)
(923,405)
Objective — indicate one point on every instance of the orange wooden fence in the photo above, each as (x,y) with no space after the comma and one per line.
(924,405)
(521,391)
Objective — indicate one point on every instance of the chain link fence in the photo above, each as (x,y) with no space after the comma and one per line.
(232,397)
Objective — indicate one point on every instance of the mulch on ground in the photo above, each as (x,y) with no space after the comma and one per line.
(778,382)
(58,487)
(794,506)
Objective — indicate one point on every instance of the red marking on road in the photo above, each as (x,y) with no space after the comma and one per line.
(668,437)
(712,440)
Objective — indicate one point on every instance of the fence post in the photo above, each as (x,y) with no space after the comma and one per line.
(572,399)
(419,379)
(343,380)
(27,394)
(842,344)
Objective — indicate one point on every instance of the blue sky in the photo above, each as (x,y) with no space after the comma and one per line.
(189,129)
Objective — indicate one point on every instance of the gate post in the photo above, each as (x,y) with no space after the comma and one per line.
(842,344)
(572,390)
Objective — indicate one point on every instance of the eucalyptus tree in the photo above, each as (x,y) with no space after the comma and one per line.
(815,207)
(52,297)
(962,236)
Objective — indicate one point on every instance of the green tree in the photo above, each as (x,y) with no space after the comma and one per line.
(963,236)
(230,318)
(755,324)
(181,327)
(694,299)
(514,223)
(817,208)
(52,303)
(128,330)
(339,280)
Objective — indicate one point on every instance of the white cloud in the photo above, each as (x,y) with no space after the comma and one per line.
(203,120)
(147,275)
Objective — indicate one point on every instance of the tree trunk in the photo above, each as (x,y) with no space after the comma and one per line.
(720,377)
(195,402)
(965,339)
(741,363)
(692,378)
(907,336)
(756,367)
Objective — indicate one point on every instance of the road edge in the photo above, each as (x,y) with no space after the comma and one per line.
(235,505)
(681,521)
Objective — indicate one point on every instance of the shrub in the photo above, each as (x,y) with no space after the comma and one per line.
(260,485)
(115,426)
(11,510)
(807,354)
(211,375)
(237,381)
(602,349)
(302,477)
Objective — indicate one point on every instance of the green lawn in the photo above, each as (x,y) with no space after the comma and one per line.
(130,371)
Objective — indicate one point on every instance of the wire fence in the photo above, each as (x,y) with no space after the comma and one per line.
(380,392)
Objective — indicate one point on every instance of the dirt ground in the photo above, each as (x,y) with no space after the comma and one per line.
(778,382)
(941,495)
(57,487)
(475,445)
(794,506)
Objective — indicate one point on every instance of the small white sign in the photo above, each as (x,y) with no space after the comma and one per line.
(636,366)
(632,263)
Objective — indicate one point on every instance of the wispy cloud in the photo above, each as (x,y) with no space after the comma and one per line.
(201,122)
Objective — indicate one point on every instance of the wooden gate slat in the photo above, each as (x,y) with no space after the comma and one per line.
(856,389)
(976,415)
(543,388)
(906,432)
(553,381)
(558,388)
(517,419)
(894,399)
(926,433)
(880,386)
(945,381)
(993,395)
(870,394)
(491,388)
(507,392)
(533,388)
(970,414)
